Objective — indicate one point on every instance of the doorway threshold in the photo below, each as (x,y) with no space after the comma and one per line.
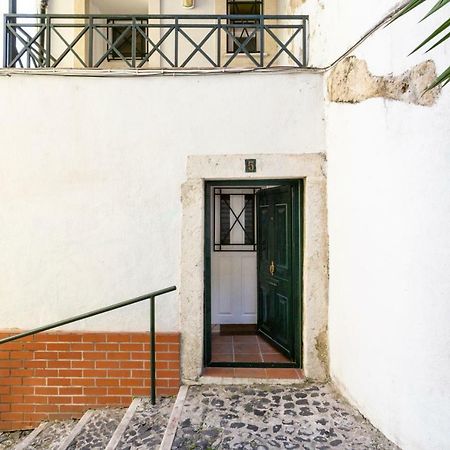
(251,375)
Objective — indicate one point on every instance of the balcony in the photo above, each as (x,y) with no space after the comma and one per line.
(37,41)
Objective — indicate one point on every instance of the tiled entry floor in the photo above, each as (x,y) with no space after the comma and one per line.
(244,348)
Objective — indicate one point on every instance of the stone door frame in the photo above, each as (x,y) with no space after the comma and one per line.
(311,168)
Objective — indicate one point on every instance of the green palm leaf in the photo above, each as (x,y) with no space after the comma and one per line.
(444,77)
(410,6)
(436,7)
(439,30)
(439,42)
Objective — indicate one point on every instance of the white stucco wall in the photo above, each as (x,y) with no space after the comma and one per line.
(90,193)
(389,210)
(91,174)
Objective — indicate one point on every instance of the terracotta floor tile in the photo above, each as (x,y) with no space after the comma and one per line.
(274,357)
(218,372)
(248,357)
(222,357)
(250,372)
(226,347)
(246,348)
(245,338)
(221,339)
(282,373)
(267,348)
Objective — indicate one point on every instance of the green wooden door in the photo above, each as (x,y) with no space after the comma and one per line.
(276,309)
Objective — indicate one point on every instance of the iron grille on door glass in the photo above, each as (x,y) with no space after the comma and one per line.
(234,219)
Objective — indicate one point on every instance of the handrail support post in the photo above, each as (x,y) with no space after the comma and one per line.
(152,352)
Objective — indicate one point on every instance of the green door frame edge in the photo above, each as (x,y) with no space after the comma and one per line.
(298,226)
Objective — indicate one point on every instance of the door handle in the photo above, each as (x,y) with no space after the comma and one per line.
(272,268)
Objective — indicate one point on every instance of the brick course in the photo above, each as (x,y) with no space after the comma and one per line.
(60,375)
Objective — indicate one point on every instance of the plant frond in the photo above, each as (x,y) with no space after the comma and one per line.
(439,30)
(444,78)
(410,6)
(439,42)
(436,7)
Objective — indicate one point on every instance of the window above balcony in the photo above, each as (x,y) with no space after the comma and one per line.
(120,37)
(244,32)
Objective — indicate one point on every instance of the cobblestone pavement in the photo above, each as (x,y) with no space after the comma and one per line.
(273,417)
(97,432)
(9,439)
(52,436)
(147,427)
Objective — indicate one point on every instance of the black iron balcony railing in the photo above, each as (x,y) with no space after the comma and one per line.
(151,296)
(148,41)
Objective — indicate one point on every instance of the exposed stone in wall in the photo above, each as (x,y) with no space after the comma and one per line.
(351,82)
(322,350)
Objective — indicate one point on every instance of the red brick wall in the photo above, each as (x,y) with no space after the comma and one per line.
(60,375)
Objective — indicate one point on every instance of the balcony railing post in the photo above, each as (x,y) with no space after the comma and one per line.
(6,46)
(219,43)
(176,43)
(305,42)
(9,48)
(261,41)
(133,43)
(48,36)
(91,42)
(152,352)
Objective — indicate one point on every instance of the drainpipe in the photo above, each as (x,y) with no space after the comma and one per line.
(43,10)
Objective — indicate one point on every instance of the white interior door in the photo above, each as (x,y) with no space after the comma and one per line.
(233,288)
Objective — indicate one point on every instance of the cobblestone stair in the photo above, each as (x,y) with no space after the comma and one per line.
(263,417)
(139,427)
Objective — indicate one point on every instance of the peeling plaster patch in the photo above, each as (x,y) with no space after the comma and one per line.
(322,349)
(293,5)
(351,82)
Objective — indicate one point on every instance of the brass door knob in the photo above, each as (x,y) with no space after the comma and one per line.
(272,268)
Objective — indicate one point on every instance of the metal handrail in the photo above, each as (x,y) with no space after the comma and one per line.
(151,296)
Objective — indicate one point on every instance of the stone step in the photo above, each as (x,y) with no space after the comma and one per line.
(94,430)
(254,416)
(9,439)
(26,442)
(146,427)
(123,425)
(48,436)
(141,426)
